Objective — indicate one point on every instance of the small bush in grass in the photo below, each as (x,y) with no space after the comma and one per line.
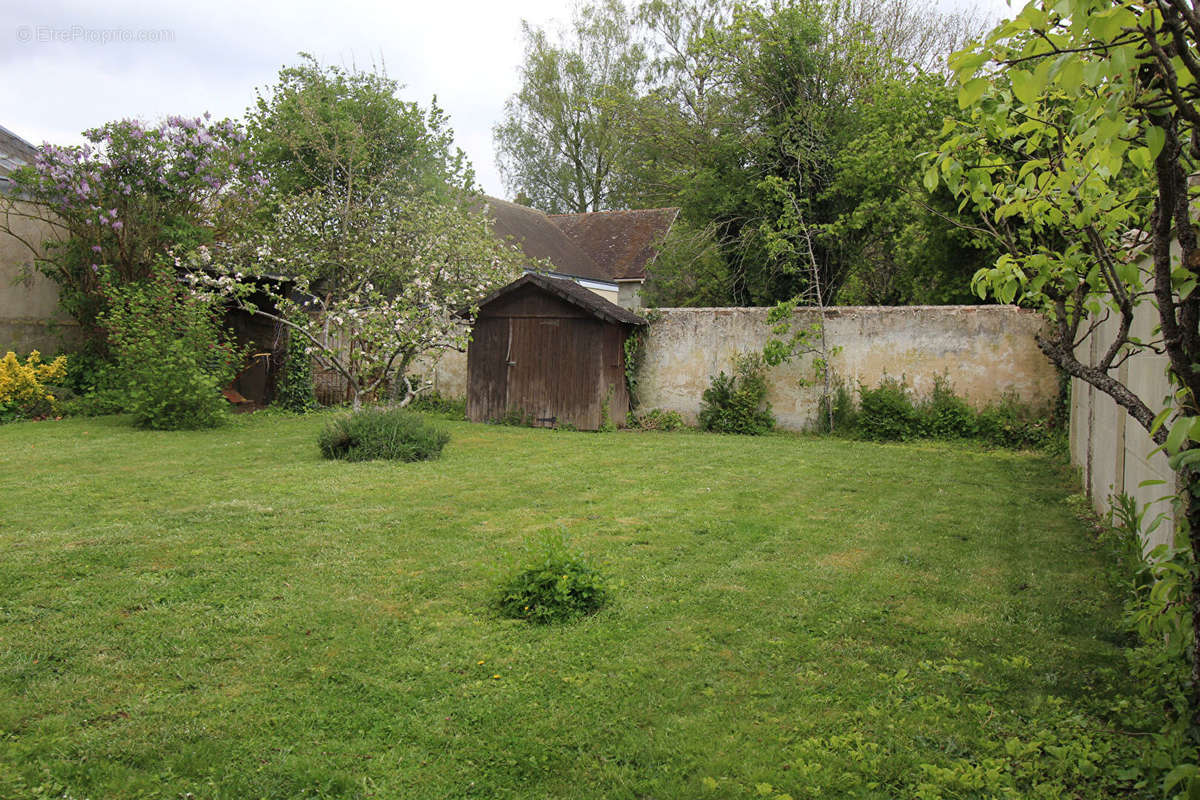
(377,433)
(737,403)
(433,402)
(887,412)
(656,419)
(945,415)
(555,584)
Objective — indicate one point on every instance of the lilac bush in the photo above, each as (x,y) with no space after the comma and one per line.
(130,195)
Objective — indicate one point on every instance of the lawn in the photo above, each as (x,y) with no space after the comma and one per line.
(224,614)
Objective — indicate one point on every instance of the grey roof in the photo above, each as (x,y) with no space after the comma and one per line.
(539,238)
(15,152)
(573,293)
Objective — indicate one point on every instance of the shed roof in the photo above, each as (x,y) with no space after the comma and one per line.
(540,238)
(573,293)
(621,242)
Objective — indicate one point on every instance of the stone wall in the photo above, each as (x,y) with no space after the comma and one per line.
(985,351)
(30,318)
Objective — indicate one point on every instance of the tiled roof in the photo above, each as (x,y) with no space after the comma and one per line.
(540,238)
(622,243)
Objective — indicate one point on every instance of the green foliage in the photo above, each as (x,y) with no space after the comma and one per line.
(742,114)
(554,584)
(607,423)
(655,419)
(945,415)
(563,133)
(1011,423)
(373,216)
(370,434)
(737,403)
(902,243)
(171,353)
(845,412)
(887,412)
(1158,619)
(294,391)
(635,354)
(328,128)
(434,402)
(514,417)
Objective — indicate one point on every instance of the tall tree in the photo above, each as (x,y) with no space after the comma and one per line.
(564,135)
(371,218)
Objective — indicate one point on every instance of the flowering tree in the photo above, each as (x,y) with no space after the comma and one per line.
(125,198)
(370,287)
(370,221)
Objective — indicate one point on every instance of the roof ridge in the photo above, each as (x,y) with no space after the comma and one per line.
(616,211)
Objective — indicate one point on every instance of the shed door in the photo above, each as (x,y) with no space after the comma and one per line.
(552,364)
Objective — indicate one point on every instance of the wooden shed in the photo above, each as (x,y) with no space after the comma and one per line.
(549,349)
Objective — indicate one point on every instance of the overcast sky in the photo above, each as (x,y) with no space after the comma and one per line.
(75,65)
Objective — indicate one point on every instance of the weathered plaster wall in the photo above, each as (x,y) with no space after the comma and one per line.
(985,351)
(1113,452)
(30,318)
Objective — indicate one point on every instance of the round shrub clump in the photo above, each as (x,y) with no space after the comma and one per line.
(378,433)
(556,584)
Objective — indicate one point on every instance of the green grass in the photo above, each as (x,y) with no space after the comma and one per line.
(228,614)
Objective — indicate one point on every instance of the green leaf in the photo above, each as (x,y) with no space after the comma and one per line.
(931,179)
(971,91)
(1026,86)
(1155,138)
(1179,434)
(1159,420)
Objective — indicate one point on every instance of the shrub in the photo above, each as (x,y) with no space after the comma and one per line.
(24,388)
(434,402)
(1158,618)
(845,413)
(887,412)
(171,353)
(94,385)
(295,391)
(378,433)
(1011,423)
(737,403)
(554,585)
(656,419)
(945,415)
